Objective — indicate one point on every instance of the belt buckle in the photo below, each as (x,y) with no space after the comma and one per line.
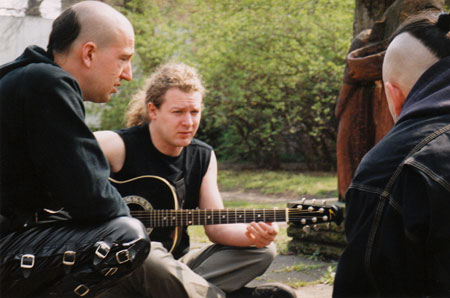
(27,261)
(123,256)
(102,250)
(69,257)
(81,290)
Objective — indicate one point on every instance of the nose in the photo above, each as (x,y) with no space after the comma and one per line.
(187,119)
(127,72)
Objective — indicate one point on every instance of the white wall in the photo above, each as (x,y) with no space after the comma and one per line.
(19,32)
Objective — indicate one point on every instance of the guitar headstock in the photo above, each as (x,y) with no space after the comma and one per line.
(309,215)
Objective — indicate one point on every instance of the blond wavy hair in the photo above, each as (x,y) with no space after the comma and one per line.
(171,75)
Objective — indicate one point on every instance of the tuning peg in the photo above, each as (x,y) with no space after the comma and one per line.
(325,218)
(299,207)
(324,203)
(310,208)
(303,221)
(306,229)
(313,201)
(321,210)
(316,227)
(303,201)
(314,219)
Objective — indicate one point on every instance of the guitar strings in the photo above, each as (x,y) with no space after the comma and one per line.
(182,217)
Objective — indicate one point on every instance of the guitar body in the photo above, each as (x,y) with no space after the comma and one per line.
(146,193)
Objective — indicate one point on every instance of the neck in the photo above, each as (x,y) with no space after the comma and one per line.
(161,145)
(66,63)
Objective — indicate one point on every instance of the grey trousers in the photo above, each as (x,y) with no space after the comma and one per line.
(208,272)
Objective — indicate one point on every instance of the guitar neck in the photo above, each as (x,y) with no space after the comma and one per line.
(174,218)
(182,217)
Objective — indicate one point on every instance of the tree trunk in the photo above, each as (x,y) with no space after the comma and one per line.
(33,8)
(367,12)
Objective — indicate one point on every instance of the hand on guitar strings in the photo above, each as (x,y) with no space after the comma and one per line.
(261,233)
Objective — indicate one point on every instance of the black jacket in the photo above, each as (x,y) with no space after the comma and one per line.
(397,224)
(49,157)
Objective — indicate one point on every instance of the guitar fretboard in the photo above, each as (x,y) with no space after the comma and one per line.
(174,218)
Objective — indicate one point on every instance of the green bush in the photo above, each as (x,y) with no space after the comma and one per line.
(272,69)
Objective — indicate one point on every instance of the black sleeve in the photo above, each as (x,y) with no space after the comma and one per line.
(426,204)
(64,150)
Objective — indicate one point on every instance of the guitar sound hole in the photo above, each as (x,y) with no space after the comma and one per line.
(135,207)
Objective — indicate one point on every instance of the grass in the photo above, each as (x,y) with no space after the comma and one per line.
(302,267)
(317,184)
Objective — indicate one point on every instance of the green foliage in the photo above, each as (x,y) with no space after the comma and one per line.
(272,69)
(113,116)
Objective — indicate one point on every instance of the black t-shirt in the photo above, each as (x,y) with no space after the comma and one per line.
(142,158)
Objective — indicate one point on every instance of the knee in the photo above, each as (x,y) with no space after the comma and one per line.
(159,262)
(268,254)
(127,240)
(126,229)
(161,265)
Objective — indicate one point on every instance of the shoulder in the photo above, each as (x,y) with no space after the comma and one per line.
(196,143)
(134,130)
(53,82)
(113,148)
(47,74)
(432,158)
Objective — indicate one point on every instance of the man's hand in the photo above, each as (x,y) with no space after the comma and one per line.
(262,234)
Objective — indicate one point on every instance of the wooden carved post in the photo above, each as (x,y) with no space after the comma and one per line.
(361,108)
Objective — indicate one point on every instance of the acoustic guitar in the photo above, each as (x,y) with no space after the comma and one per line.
(152,200)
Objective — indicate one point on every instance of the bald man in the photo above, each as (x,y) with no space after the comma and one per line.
(397,223)
(65,231)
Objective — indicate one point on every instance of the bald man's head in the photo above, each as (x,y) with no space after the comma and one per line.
(87,21)
(94,43)
(406,59)
(420,42)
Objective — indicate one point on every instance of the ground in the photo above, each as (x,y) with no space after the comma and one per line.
(310,276)
(307,280)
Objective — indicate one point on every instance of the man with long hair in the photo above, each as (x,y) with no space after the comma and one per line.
(163,119)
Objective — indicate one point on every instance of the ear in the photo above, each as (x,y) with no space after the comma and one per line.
(88,51)
(152,109)
(397,96)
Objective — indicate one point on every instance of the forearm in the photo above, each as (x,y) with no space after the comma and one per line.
(229,234)
(254,234)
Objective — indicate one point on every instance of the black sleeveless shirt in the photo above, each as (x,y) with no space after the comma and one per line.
(142,158)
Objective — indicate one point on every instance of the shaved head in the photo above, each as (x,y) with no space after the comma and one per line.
(94,43)
(100,23)
(406,59)
(88,21)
